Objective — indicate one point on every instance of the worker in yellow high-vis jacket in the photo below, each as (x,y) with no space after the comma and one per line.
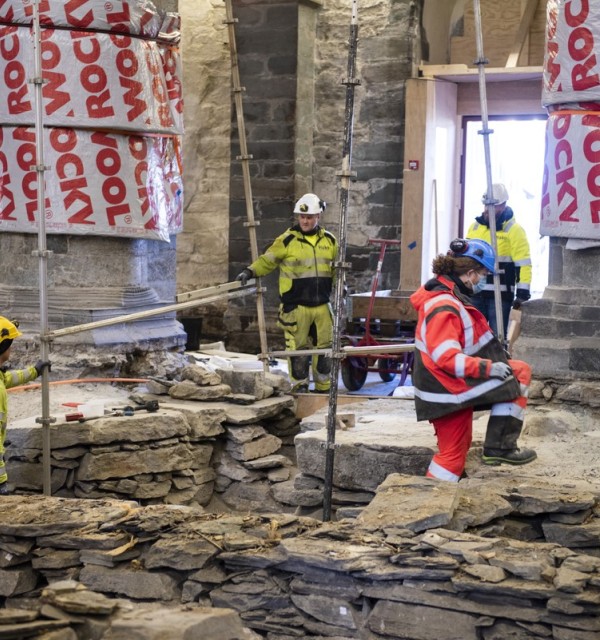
(305,255)
(514,259)
(8,332)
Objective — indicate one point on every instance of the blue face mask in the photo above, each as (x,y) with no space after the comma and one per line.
(479,286)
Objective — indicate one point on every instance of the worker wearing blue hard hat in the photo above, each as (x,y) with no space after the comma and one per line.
(460,365)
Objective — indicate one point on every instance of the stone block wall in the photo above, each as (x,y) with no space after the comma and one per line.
(293,56)
(267,43)
(200,441)
(388,50)
(286,576)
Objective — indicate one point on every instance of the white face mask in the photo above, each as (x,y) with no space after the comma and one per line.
(479,286)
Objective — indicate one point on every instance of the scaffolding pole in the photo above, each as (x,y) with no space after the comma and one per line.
(341,265)
(42,252)
(245,158)
(481,61)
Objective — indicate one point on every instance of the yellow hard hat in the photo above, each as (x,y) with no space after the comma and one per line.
(8,329)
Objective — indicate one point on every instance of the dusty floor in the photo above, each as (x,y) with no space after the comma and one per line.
(566,438)
(27,405)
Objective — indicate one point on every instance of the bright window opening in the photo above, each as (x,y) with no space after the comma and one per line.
(517,160)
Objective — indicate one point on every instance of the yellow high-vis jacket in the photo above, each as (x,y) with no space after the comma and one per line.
(306,268)
(514,257)
(10,379)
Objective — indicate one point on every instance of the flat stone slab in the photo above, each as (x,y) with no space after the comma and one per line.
(237,413)
(385,439)
(411,502)
(34,516)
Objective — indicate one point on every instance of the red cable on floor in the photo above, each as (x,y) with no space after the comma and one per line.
(37,385)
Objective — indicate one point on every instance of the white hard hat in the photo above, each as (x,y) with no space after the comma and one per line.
(310,204)
(499,194)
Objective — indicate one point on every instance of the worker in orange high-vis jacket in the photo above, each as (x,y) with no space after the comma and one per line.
(8,332)
(460,366)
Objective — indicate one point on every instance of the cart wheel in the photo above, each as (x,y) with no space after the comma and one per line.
(354,372)
(387,368)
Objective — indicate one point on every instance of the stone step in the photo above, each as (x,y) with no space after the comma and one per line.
(559,327)
(565,357)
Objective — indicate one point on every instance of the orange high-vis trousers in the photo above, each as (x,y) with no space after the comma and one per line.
(454,431)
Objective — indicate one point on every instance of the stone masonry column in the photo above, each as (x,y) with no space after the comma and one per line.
(91,278)
(560,334)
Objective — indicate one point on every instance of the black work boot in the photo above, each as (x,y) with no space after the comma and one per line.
(508,456)
(4,489)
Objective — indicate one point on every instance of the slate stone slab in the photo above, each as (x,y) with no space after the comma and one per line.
(177,624)
(17,580)
(416,503)
(528,500)
(333,555)
(140,427)
(140,585)
(478,504)
(418,595)
(32,516)
(414,622)
(573,535)
(366,454)
(510,587)
(183,554)
(124,464)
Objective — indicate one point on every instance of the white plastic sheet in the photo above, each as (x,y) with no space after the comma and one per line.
(571,62)
(92,80)
(99,183)
(571,183)
(138,17)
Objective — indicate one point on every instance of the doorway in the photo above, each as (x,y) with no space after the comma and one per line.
(517,160)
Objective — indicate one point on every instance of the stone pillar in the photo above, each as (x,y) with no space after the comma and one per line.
(89,279)
(92,278)
(560,335)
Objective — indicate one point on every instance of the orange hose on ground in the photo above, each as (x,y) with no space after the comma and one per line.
(37,385)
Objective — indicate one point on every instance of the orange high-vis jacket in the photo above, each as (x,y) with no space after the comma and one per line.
(455,348)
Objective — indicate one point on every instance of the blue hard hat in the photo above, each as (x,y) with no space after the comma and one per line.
(478,250)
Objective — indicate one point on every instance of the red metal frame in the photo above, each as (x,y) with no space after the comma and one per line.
(404,360)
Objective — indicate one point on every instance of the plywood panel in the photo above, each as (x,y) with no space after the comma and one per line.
(500,22)
(391,307)
(429,141)
(416,115)
(504,98)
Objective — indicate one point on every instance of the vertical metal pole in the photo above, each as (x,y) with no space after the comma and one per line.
(42,253)
(485,132)
(245,158)
(341,266)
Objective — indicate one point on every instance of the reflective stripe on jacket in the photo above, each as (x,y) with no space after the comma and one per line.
(306,270)
(514,258)
(454,351)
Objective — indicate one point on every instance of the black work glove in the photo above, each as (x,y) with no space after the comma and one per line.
(517,302)
(40,365)
(244,276)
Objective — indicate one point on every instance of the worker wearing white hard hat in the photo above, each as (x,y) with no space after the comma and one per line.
(514,258)
(305,256)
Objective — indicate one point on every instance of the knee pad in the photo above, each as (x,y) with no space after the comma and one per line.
(300,367)
(324,364)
